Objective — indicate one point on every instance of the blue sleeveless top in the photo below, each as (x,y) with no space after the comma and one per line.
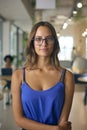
(43,106)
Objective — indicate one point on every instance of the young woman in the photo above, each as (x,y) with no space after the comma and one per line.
(42,92)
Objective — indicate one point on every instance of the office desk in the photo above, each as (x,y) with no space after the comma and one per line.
(7,77)
(4,92)
(2,82)
(84,80)
(1,97)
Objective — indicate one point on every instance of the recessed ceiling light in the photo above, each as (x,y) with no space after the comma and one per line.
(65,25)
(79,5)
(74,12)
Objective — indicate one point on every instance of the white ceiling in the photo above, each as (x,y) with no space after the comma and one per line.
(15,11)
(21,12)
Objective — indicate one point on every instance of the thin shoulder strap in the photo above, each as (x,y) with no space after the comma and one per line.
(23,74)
(62,77)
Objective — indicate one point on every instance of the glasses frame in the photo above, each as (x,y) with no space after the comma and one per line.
(46,39)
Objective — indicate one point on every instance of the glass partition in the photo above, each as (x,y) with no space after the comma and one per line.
(1,42)
(17,44)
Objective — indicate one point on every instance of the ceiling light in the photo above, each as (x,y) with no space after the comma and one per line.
(74,12)
(84,33)
(79,5)
(65,25)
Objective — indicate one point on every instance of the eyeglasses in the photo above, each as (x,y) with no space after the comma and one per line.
(39,40)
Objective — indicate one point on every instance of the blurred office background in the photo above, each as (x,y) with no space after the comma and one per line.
(69,17)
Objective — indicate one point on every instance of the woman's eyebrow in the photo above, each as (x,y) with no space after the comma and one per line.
(42,36)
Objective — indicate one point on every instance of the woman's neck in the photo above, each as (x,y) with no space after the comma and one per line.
(8,65)
(43,62)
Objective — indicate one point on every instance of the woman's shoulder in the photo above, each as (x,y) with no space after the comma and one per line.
(68,72)
(17,78)
(17,74)
(18,71)
(69,77)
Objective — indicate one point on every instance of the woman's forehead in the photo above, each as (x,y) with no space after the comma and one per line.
(43,30)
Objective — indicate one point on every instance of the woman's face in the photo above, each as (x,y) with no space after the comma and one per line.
(43,41)
(8,61)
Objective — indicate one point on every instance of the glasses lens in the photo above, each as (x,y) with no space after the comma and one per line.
(49,39)
(38,39)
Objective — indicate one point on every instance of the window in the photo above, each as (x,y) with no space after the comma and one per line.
(66,45)
(13,46)
(1,42)
(86,47)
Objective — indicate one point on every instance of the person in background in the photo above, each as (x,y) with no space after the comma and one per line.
(8,59)
(73,55)
(42,91)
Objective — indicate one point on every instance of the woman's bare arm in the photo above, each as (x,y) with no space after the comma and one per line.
(69,92)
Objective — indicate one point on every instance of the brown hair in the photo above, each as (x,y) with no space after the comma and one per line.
(31,56)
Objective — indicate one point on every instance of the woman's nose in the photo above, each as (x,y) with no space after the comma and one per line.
(44,43)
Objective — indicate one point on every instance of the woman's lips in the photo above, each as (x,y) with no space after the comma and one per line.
(44,49)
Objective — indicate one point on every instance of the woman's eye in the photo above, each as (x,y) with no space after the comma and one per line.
(38,39)
(50,39)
